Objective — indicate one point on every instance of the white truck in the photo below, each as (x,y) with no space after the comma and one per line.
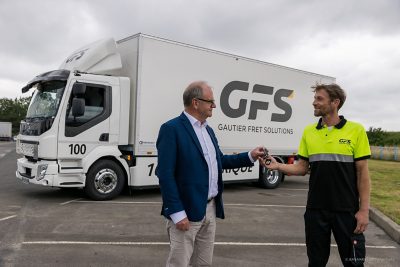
(5,130)
(94,122)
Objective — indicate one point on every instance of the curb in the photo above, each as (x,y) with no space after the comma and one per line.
(384,222)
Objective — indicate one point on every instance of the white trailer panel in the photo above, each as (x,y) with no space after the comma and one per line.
(166,68)
(5,130)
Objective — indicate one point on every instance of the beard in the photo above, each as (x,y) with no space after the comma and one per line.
(318,113)
(322,111)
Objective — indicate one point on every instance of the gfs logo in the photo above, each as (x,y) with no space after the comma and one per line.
(279,100)
(344,141)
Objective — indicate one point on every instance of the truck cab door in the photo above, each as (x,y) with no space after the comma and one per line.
(86,123)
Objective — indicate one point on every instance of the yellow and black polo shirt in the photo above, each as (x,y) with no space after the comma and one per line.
(332,154)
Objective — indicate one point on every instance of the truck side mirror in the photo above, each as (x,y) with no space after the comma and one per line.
(78,107)
(78,102)
(78,89)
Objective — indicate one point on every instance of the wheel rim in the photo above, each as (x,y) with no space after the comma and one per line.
(272,176)
(105,181)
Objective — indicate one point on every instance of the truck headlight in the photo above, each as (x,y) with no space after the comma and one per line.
(41,171)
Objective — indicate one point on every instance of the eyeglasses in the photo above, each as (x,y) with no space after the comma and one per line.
(211,102)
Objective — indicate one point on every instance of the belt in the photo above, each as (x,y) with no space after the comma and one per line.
(209,200)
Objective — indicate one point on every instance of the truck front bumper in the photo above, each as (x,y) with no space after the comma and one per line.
(46,173)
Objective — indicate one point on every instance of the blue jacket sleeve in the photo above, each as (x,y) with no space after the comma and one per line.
(165,171)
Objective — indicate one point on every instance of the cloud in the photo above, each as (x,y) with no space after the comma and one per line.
(363,65)
(354,41)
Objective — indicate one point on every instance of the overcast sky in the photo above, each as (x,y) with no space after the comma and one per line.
(357,42)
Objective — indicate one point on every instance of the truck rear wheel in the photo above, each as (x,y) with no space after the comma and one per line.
(105,180)
(269,179)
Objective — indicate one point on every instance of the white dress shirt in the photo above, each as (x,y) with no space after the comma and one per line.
(209,153)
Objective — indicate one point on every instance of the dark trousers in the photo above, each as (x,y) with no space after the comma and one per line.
(319,224)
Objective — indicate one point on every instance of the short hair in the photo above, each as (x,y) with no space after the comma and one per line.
(334,91)
(194,90)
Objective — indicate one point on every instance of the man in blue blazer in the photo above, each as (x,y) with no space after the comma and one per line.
(189,169)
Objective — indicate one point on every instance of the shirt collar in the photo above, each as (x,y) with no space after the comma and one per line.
(337,126)
(194,121)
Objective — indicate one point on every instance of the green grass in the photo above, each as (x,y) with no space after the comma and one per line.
(385,187)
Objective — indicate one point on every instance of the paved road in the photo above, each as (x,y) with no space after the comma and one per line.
(52,227)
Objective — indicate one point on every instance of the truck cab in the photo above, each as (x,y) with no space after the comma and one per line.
(75,131)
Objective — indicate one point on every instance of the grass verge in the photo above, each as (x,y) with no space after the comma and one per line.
(385,187)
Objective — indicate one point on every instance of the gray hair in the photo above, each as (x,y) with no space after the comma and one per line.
(194,90)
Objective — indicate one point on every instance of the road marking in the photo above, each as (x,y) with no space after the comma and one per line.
(7,218)
(159,203)
(167,243)
(5,152)
(93,243)
(109,202)
(71,201)
(295,189)
(265,206)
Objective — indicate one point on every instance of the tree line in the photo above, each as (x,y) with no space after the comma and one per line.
(379,137)
(14,110)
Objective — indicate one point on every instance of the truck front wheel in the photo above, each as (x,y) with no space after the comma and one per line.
(105,180)
(269,179)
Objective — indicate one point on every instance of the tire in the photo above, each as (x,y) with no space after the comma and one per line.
(104,181)
(269,179)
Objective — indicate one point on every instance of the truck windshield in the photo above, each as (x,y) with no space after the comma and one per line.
(46,99)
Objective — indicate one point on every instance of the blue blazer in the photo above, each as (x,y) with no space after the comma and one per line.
(183,171)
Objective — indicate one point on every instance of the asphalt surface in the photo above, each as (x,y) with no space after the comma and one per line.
(53,227)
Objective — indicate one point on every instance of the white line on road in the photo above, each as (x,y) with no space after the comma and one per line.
(294,189)
(9,217)
(264,205)
(167,243)
(5,152)
(67,202)
(110,202)
(159,203)
(93,243)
